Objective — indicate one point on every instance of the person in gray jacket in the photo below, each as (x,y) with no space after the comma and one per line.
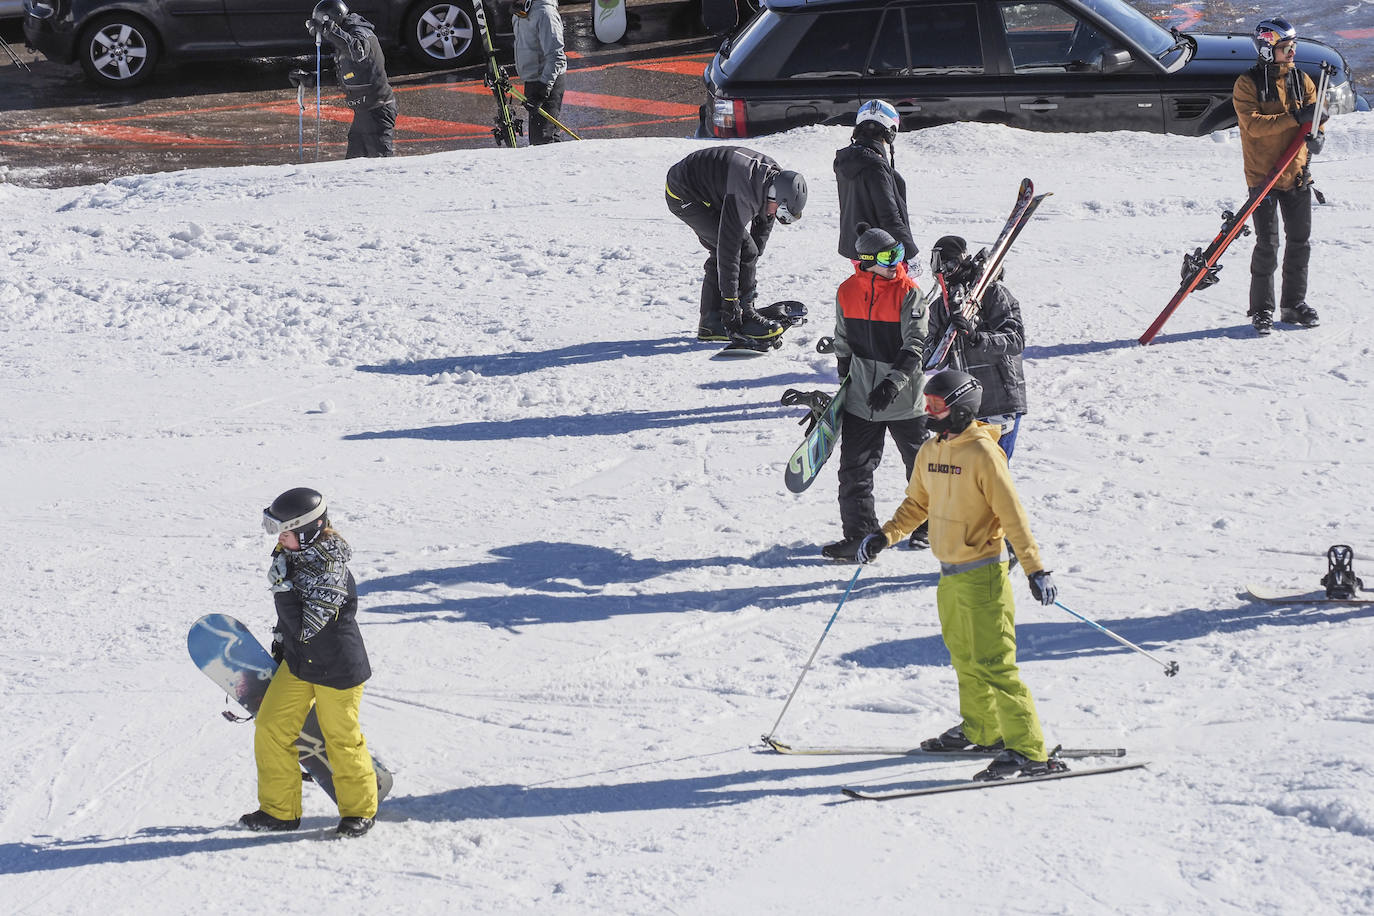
(541,63)
(880,333)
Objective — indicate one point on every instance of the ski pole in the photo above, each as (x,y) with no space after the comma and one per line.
(317,96)
(807,666)
(1170,668)
(540,109)
(300,122)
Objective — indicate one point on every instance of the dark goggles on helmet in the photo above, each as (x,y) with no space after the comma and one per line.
(889,258)
(275,527)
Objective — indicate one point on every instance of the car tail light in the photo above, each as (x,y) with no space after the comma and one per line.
(727,118)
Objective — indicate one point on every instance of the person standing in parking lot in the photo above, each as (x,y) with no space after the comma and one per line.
(360,68)
(870,188)
(1272,101)
(541,63)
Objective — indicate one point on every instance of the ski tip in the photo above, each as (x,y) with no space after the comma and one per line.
(774,744)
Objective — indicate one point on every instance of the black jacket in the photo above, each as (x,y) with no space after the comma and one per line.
(996,361)
(871,191)
(733,181)
(359,64)
(317,617)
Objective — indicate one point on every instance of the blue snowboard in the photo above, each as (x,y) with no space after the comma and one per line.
(223,648)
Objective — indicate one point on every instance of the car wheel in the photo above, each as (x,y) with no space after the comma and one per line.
(119,50)
(443,33)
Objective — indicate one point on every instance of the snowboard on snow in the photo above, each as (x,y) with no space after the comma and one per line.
(1340,585)
(789,313)
(608,20)
(820,440)
(226,651)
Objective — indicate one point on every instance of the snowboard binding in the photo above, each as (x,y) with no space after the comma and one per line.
(787,314)
(1340,579)
(817,402)
(1196,263)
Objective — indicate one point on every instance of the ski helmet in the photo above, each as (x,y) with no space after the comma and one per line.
(882,117)
(947,255)
(952,401)
(788,188)
(301,510)
(1271,32)
(327,11)
(877,246)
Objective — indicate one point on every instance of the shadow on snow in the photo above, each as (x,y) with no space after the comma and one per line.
(521,362)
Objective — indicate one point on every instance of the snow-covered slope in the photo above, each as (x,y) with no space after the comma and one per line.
(586,592)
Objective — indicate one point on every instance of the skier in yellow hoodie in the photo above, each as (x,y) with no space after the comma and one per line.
(962,485)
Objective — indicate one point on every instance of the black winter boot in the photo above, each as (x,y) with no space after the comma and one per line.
(846,551)
(262,821)
(354,826)
(1301,314)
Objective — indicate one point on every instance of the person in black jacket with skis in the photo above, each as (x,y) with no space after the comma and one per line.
(870,188)
(360,68)
(987,346)
(322,662)
(730,196)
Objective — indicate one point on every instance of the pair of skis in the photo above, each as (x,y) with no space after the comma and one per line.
(961,785)
(1200,269)
(990,269)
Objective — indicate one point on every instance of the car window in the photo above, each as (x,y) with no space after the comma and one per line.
(944,39)
(1044,37)
(836,44)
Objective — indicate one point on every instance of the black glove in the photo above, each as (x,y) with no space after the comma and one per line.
(1305,113)
(314,29)
(1043,587)
(882,395)
(842,365)
(1315,143)
(870,547)
(299,77)
(278,648)
(966,328)
(536,94)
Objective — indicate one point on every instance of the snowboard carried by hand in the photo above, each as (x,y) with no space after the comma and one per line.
(789,313)
(826,414)
(226,651)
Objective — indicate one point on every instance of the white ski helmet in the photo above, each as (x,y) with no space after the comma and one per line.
(1271,32)
(880,113)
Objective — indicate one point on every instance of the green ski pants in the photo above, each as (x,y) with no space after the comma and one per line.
(978,621)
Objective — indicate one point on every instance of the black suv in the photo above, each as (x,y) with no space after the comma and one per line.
(119,42)
(1051,65)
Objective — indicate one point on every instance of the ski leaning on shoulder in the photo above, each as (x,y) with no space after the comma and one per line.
(839,751)
(1200,268)
(969,785)
(991,268)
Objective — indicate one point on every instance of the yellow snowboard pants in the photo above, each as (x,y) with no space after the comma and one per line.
(978,621)
(279,722)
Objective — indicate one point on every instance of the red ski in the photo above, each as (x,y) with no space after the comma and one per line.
(1200,268)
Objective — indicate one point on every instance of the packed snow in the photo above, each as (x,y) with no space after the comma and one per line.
(586,592)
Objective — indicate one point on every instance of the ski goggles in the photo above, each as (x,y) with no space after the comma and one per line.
(889,258)
(276,527)
(936,406)
(1275,39)
(784,215)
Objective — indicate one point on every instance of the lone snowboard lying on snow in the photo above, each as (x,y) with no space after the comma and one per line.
(789,313)
(223,648)
(1339,585)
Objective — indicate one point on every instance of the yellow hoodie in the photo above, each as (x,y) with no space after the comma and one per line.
(963,486)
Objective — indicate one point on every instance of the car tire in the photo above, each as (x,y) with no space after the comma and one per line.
(119,50)
(443,33)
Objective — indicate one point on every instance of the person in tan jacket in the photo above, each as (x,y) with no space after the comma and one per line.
(1273,100)
(962,485)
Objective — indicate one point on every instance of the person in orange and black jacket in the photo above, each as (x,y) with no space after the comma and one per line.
(361,70)
(1272,101)
(880,331)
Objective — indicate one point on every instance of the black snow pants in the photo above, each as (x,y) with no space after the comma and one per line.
(705,222)
(372,133)
(1295,205)
(861,451)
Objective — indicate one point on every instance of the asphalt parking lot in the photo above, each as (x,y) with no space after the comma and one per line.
(56,129)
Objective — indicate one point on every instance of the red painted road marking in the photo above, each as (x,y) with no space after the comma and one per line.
(417,125)
(113,130)
(1355,33)
(607,102)
(683,67)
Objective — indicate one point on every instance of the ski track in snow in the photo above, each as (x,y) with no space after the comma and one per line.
(586,592)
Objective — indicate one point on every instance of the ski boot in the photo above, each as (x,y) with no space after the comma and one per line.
(845,551)
(1262,322)
(1302,314)
(953,739)
(1340,580)
(262,821)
